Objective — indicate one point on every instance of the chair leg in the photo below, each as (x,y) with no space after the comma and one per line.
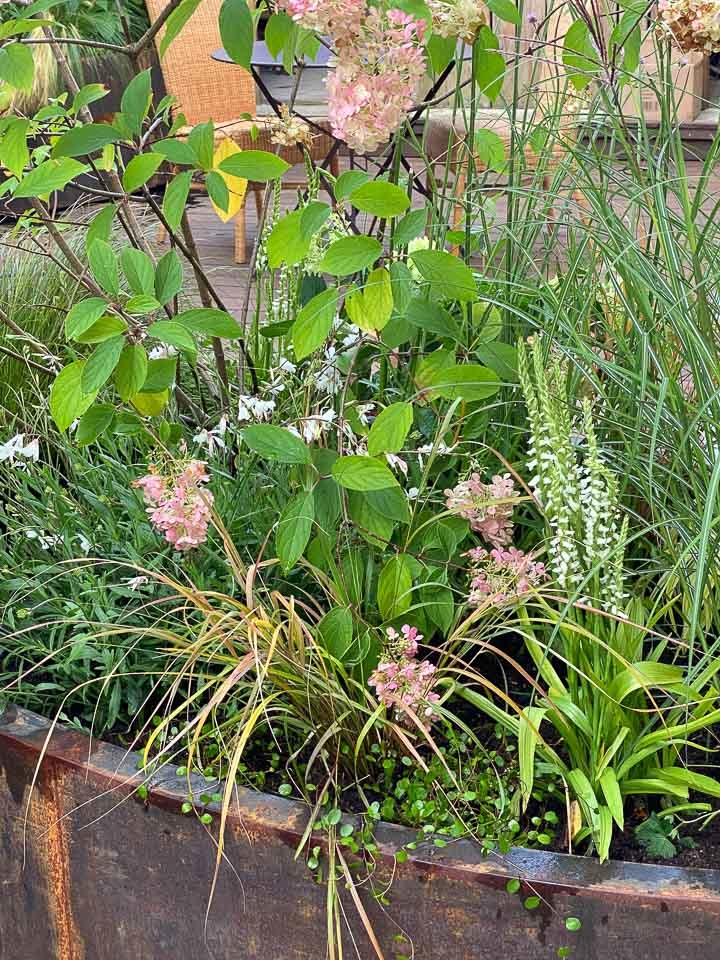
(259,194)
(240,244)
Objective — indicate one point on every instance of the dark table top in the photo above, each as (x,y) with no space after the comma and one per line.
(261,57)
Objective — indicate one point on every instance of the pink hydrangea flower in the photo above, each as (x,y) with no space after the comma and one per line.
(179,507)
(373,85)
(502,574)
(488,506)
(341,19)
(401,680)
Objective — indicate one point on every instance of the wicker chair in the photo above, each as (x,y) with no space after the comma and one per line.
(208,90)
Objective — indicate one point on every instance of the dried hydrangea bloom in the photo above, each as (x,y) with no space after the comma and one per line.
(178,506)
(694,25)
(458,18)
(373,84)
(402,681)
(341,19)
(287,130)
(488,506)
(502,574)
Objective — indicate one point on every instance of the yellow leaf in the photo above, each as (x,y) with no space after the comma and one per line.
(150,404)
(237,186)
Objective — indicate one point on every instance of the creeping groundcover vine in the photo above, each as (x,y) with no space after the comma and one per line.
(426,526)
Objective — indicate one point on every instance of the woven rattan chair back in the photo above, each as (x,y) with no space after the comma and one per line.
(205,89)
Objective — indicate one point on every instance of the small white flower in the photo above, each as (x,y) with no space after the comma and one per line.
(162,352)
(46,540)
(16,448)
(397,463)
(412,493)
(286,366)
(134,582)
(253,408)
(314,427)
(441,450)
(213,439)
(85,544)
(363,411)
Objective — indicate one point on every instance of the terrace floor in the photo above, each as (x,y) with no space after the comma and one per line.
(215,239)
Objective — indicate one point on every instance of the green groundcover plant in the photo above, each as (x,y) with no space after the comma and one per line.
(442,494)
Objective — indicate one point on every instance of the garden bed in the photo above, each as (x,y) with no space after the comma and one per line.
(97,873)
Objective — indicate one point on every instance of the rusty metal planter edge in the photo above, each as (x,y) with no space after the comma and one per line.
(92,873)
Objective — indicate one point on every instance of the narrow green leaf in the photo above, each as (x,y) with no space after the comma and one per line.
(210,322)
(168,277)
(104,265)
(255,165)
(276,443)
(49,176)
(94,423)
(84,140)
(505,10)
(447,274)
(394,593)
(349,255)
(294,528)
(314,322)
(83,315)
(17,67)
(176,194)
(168,331)
(613,797)
(465,381)
(390,429)
(131,371)
(362,473)
(14,153)
(237,31)
(101,363)
(135,101)
(139,270)
(176,22)
(67,399)
(380,198)
(140,169)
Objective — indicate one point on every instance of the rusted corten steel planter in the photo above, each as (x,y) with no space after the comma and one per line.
(94,874)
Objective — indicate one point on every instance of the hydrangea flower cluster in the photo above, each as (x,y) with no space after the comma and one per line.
(695,24)
(402,681)
(373,85)
(488,506)
(179,507)
(288,129)
(458,18)
(502,574)
(341,19)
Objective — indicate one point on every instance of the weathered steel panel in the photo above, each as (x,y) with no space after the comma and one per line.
(91,873)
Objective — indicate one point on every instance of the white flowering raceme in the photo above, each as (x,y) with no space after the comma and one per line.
(576,490)
(460,19)
(695,24)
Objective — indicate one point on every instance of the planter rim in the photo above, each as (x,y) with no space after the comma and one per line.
(262,814)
